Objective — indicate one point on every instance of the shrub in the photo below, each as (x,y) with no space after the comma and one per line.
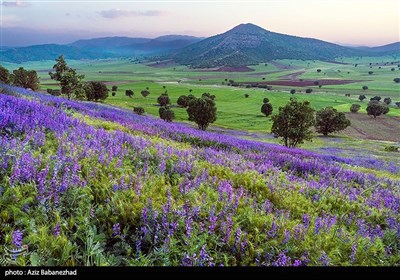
(183,101)
(364,87)
(392,149)
(362,97)
(129,93)
(370,72)
(113,93)
(309,90)
(355,108)
(145,93)
(95,91)
(266,109)
(246,95)
(265,100)
(318,70)
(166,114)
(387,100)
(377,98)
(138,110)
(163,99)
(396,80)
(292,91)
(398,104)
(114,88)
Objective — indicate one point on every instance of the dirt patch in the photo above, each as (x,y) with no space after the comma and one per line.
(292,76)
(305,83)
(162,64)
(227,69)
(283,66)
(383,128)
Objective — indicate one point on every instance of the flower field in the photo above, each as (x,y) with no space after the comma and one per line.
(89,184)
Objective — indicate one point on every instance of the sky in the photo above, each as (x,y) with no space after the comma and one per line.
(346,22)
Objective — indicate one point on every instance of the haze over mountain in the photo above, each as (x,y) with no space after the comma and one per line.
(244,44)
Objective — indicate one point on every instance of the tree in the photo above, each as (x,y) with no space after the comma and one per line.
(138,110)
(95,91)
(114,88)
(292,91)
(309,90)
(362,97)
(202,111)
(318,70)
(355,108)
(387,100)
(376,108)
(145,93)
(364,87)
(208,95)
(398,104)
(396,80)
(293,123)
(183,101)
(163,99)
(25,78)
(370,72)
(113,93)
(70,81)
(166,114)
(329,120)
(129,93)
(4,75)
(266,109)
(377,98)
(246,95)
(265,100)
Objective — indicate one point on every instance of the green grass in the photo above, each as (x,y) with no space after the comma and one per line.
(234,110)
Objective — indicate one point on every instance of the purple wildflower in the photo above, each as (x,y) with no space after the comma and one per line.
(17,236)
(56,230)
(116,229)
(324,259)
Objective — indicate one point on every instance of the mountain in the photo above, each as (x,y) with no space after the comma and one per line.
(108,42)
(248,44)
(394,47)
(48,52)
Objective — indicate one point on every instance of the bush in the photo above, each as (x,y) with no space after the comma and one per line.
(398,104)
(387,100)
(377,98)
(183,101)
(370,72)
(138,110)
(113,93)
(318,70)
(309,90)
(292,91)
(55,92)
(396,80)
(166,114)
(265,100)
(355,108)
(392,149)
(95,91)
(163,99)
(246,95)
(364,87)
(114,88)
(24,78)
(129,93)
(362,97)
(145,93)
(266,109)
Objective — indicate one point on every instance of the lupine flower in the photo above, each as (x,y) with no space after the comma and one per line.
(16,237)
(324,259)
(56,231)
(116,229)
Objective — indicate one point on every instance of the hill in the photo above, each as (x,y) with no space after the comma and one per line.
(247,44)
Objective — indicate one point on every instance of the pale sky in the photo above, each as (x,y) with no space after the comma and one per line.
(355,22)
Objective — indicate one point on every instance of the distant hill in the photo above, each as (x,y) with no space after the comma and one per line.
(394,47)
(108,42)
(247,44)
(48,52)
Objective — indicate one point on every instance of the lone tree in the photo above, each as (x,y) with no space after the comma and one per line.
(376,108)
(387,100)
(4,75)
(95,91)
(183,101)
(364,87)
(293,123)
(329,120)
(25,78)
(70,81)
(129,93)
(166,114)
(362,97)
(355,108)
(202,111)
(266,108)
(163,99)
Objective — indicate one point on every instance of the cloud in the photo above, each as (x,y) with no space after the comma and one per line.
(17,3)
(117,13)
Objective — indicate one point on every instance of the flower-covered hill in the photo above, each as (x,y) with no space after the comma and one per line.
(87,184)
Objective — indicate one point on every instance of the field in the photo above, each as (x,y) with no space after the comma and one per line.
(86,183)
(89,184)
(234,110)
